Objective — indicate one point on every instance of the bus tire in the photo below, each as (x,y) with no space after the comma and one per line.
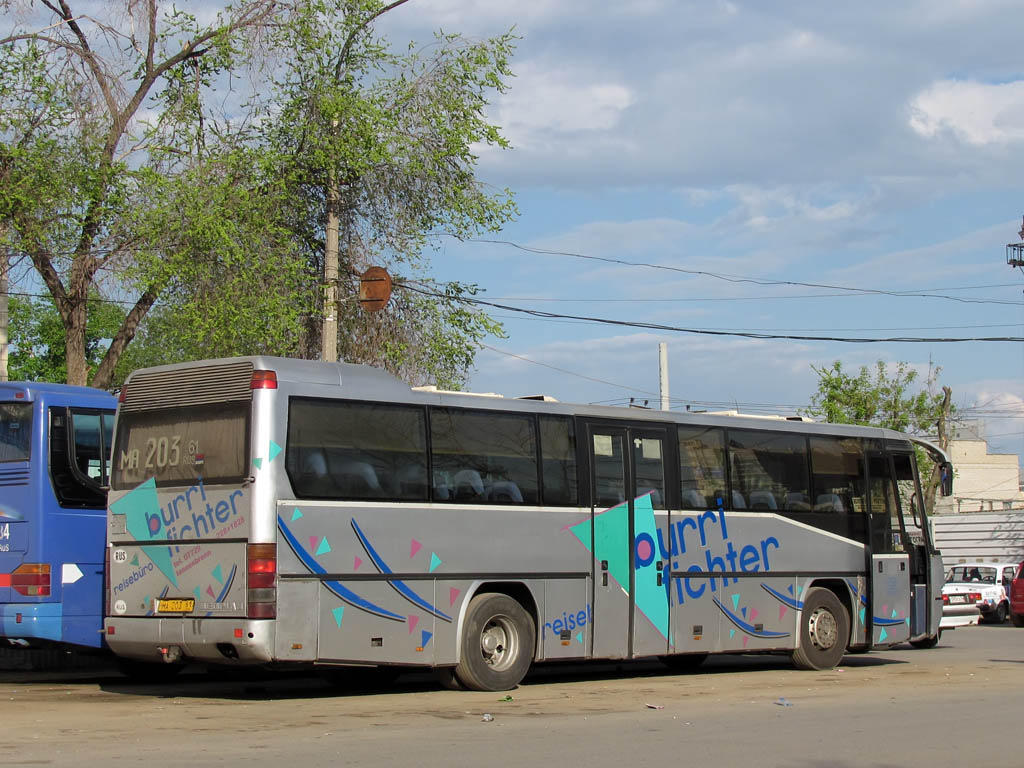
(824,631)
(683,662)
(498,638)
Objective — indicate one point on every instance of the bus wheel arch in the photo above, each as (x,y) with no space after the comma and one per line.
(824,630)
(498,638)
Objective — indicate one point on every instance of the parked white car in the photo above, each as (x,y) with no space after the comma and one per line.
(990,580)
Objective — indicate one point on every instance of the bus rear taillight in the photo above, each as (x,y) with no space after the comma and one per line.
(264,380)
(31,579)
(261,573)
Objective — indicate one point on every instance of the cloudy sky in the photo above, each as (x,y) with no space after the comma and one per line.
(740,147)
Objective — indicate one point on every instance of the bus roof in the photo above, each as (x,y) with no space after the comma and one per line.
(364,382)
(33,390)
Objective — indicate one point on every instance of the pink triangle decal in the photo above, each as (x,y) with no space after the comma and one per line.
(745,641)
(753,613)
(209,591)
(314,542)
(782,611)
(414,548)
(453,595)
(356,563)
(413,621)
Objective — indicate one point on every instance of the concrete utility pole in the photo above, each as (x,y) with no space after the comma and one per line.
(663,374)
(329,332)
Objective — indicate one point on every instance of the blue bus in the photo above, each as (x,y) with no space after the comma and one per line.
(54,458)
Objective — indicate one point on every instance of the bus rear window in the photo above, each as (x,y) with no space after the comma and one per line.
(181,445)
(15,431)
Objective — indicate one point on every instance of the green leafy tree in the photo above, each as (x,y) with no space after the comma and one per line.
(37,340)
(132,168)
(379,149)
(877,398)
(82,168)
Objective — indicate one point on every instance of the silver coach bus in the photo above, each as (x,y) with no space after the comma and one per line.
(265,510)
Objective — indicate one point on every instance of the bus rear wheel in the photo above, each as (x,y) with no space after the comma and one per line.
(498,637)
(824,631)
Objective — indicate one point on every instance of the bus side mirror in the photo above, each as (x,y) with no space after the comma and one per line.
(947,478)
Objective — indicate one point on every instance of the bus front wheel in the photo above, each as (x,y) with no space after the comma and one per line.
(498,637)
(824,631)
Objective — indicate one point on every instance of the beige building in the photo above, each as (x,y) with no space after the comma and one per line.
(983,481)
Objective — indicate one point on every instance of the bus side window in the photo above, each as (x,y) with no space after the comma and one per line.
(702,468)
(769,469)
(78,457)
(484,456)
(558,460)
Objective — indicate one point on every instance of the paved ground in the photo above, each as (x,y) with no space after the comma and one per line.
(959,703)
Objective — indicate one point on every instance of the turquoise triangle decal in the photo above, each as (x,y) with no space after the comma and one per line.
(434,561)
(893,614)
(324,547)
(735,602)
(258,463)
(863,616)
(218,575)
(338,613)
(296,514)
(143,520)
(732,633)
(196,592)
(579,638)
(882,635)
(135,561)
(275,450)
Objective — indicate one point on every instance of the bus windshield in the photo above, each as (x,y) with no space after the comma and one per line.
(181,445)
(15,431)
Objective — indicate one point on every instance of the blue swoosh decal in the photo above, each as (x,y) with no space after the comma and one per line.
(796,605)
(336,587)
(399,586)
(748,628)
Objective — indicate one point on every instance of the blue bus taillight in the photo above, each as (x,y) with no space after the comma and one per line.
(31,579)
(261,570)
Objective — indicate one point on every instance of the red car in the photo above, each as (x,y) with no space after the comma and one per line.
(1017,598)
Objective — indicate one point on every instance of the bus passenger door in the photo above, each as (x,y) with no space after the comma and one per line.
(889,577)
(628,517)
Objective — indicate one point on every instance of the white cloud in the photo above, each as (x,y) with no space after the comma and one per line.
(546,103)
(977,113)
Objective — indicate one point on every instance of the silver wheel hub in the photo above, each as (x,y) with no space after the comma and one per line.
(498,642)
(823,629)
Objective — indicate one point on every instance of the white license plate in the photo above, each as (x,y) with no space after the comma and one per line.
(957,599)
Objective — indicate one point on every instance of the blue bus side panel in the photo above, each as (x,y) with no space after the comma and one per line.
(83,604)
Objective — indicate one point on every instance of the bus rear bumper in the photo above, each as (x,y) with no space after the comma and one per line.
(214,641)
(31,621)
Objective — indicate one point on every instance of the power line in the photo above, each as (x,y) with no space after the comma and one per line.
(742,278)
(710,332)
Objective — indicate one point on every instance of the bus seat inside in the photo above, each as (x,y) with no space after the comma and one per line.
(505,491)
(762,500)
(468,485)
